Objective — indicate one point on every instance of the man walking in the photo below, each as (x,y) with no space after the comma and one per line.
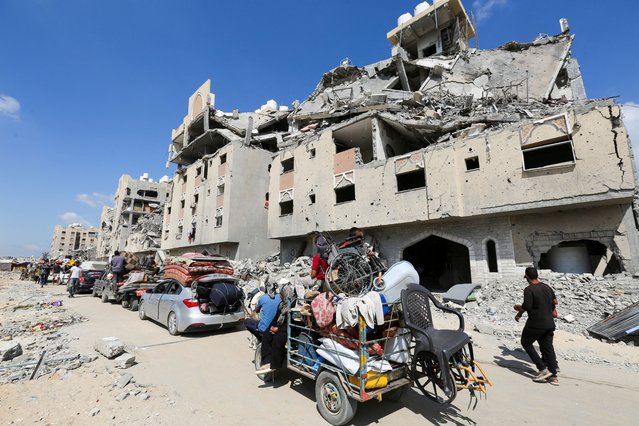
(74,279)
(539,303)
(44,274)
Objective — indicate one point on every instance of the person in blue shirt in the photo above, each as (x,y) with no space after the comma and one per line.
(267,307)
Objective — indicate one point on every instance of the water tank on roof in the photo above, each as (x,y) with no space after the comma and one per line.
(404,18)
(272,104)
(421,7)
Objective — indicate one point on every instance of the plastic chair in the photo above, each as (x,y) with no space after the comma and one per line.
(442,344)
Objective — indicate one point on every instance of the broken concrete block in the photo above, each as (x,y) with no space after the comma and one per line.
(10,350)
(122,396)
(124,380)
(484,328)
(110,347)
(569,318)
(144,396)
(125,361)
(85,359)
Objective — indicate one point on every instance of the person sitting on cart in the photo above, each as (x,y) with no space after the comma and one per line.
(267,306)
(319,264)
(274,340)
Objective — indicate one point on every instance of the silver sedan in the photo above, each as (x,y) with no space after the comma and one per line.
(172,304)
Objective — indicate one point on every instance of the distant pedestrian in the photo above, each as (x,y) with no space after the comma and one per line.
(539,302)
(57,273)
(74,279)
(117,266)
(45,269)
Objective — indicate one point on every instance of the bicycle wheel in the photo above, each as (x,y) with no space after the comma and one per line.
(350,274)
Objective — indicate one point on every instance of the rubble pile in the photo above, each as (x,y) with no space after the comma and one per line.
(255,274)
(32,339)
(583,300)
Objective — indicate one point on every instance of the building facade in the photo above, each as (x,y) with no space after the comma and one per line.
(219,189)
(134,199)
(73,238)
(471,164)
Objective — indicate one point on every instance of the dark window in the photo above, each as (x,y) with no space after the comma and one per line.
(311,197)
(198,171)
(128,191)
(206,171)
(288,165)
(429,51)
(344,194)
(548,155)
(168,210)
(411,180)
(174,289)
(182,203)
(491,256)
(472,163)
(218,221)
(220,189)
(312,152)
(286,207)
(196,197)
(222,158)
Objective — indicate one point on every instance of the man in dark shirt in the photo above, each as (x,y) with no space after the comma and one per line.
(539,303)
(117,268)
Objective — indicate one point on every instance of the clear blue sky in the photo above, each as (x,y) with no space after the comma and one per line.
(91,89)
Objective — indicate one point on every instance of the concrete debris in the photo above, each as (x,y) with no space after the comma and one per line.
(109,347)
(10,350)
(123,380)
(122,396)
(125,360)
(36,308)
(258,273)
(88,358)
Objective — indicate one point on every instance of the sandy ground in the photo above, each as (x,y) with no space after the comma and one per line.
(208,378)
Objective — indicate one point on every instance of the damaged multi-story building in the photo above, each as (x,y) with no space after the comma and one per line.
(125,226)
(218,190)
(72,239)
(469,163)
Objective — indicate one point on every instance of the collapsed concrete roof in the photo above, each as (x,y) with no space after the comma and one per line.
(429,99)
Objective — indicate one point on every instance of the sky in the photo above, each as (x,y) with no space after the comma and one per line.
(90,90)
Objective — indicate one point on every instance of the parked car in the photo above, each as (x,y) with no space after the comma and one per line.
(192,308)
(91,271)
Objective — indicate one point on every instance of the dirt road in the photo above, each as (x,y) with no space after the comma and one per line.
(209,378)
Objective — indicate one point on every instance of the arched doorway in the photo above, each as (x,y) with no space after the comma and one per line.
(440,263)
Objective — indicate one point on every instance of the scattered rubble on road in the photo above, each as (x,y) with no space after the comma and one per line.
(32,322)
(110,347)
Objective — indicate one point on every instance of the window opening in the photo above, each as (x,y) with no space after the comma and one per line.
(288,165)
(222,158)
(311,198)
(491,256)
(411,180)
(286,208)
(312,153)
(344,194)
(472,163)
(559,153)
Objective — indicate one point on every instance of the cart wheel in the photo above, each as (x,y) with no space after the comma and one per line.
(125,304)
(395,395)
(141,312)
(94,292)
(105,297)
(257,361)
(332,402)
(428,377)
(134,304)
